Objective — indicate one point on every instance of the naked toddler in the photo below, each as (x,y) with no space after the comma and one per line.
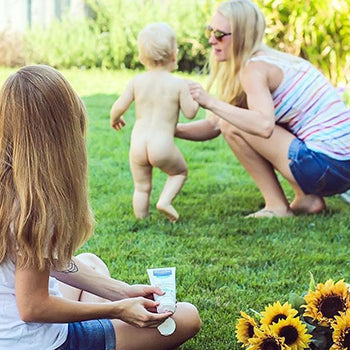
(158,97)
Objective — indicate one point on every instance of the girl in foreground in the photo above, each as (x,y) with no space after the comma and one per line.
(44,218)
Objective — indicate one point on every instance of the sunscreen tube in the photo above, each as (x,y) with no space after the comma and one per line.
(164,278)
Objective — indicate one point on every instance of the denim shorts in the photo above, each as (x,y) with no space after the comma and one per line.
(90,335)
(317,173)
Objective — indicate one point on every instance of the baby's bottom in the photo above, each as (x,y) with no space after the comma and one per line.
(141,164)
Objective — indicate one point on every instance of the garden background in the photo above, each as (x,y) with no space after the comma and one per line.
(225,263)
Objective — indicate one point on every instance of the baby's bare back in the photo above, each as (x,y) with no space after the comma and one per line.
(157,108)
(157,101)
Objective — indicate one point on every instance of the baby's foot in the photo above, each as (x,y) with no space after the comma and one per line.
(269,213)
(308,204)
(169,211)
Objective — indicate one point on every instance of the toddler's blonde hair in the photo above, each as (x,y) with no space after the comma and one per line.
(157,44)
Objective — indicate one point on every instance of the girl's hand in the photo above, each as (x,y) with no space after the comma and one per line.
(135,311)
(119,124)
(143,290)
(146,291)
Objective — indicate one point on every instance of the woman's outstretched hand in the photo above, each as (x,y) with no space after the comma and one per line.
(199,94)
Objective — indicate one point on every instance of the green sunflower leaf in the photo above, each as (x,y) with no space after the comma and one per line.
(296,301)
(312,284)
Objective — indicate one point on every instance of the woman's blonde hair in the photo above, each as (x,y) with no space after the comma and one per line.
(247,28)
(157,44)
(44,212)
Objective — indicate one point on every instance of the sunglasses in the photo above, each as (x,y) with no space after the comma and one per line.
(218,34)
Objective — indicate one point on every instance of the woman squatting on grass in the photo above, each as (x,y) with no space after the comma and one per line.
(50,299)
(276,112)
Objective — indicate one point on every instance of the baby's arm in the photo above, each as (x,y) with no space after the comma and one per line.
(121,105)
(188,105)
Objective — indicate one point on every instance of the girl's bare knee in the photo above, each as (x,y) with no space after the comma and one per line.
(94,262)
(189,319)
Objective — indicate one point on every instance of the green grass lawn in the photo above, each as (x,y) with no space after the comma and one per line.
(225,263)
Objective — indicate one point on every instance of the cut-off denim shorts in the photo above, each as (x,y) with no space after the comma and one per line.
(317,173)
(90,335)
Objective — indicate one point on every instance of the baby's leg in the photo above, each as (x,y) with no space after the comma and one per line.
(142,176)
(176,168)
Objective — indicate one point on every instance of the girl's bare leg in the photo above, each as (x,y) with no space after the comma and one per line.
(258,155)
(142,175)
(187,321)
(78,295)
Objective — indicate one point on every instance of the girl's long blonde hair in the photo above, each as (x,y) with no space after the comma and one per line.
(247,28)
(44,211)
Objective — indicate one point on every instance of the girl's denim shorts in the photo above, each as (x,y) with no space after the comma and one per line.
(317,173)
(90,335)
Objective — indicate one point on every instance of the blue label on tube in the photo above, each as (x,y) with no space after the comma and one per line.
(162,273)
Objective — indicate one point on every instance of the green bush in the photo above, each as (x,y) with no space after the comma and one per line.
(318,31)
(11,49)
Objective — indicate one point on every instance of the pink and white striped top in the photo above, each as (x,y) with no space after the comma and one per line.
(309,106)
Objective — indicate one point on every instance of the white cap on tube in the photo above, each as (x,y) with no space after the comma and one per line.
(167,327)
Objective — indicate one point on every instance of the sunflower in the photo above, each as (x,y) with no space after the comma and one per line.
(275,312)
(245,328)
(327,301)
(266,340)
(341,332)
(293,331)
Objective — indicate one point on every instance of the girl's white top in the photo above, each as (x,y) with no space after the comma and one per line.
(16,334)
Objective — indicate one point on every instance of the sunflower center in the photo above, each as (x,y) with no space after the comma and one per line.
(290,334)
(331,306)
(278,317)
(270,344)
(346,342)
(250,331)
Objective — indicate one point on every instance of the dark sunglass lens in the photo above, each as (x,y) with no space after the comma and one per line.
(218,34)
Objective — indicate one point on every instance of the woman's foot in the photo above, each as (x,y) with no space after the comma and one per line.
(270,213)
(169,211)
(308,204)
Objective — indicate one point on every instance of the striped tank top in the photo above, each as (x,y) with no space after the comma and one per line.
(309,106)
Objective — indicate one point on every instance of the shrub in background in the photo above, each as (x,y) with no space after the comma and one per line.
(317,31)
(11,49)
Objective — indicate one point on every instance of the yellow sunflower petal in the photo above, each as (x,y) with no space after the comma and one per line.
(293,331)
(327,301)
(245,328)
(341,331)
(266,340)
(275,312)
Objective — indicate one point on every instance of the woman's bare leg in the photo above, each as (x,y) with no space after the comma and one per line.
(261,171)
(273,153)
(187,322)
